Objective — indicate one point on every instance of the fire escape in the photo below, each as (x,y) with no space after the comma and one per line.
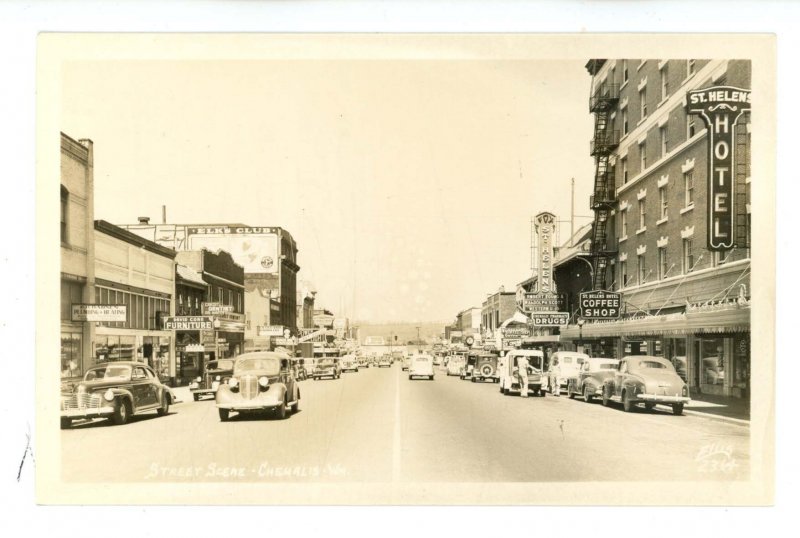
(601,103)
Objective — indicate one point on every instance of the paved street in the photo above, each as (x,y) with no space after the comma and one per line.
(377,426)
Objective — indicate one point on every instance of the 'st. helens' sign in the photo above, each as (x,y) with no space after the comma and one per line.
(720,107)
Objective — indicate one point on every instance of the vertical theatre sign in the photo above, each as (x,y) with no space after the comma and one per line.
(720,107)
(545,228)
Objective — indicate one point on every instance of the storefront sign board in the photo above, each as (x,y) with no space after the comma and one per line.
(600,304)
(549,319)
(270,330)
(188,323)
(99,312)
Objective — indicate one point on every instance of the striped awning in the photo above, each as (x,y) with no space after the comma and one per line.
(733,319)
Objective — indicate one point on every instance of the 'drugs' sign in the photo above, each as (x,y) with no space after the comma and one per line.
(720,107)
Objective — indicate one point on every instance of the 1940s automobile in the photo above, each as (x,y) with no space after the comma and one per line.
(217,373)
(261,381)
(327,367)
(510,380)
(590,379)
(642,378)
(116,390)
(484,367)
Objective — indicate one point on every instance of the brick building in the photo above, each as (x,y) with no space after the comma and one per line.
(681,299)
(497,308)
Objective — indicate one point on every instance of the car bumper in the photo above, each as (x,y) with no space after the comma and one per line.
(250,405)
(661,398)
(96,412)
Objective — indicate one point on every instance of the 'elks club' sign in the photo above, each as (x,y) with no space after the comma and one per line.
(720,108)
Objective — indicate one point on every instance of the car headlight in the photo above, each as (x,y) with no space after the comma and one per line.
(108,395)
(199,379)
(218,378)
(233,382)
(263,381)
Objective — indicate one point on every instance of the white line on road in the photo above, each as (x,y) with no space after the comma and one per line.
(396,446)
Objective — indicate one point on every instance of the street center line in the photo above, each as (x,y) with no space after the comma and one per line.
(396,441)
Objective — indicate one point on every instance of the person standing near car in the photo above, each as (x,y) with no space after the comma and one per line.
(555,378)
(522,372)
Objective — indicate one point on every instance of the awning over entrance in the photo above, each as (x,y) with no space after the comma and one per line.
(723,320)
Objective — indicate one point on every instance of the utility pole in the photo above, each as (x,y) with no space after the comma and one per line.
(418,340)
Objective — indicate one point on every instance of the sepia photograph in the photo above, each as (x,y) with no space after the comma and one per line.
(406,269)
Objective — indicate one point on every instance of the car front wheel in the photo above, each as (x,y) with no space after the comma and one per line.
(627,404)
(586,396)
(66,422)
(121,412)
(606,397)
(224,414)
(677,409)
(281,411)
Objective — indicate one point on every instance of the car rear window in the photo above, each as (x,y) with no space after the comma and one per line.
(567,360)
(652,364)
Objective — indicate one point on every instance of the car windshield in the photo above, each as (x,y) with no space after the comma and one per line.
(109,371)
(271,365)
(224,365)
(652,364)
(533,361)
(325,362)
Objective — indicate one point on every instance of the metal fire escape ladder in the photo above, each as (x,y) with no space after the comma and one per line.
(603,198)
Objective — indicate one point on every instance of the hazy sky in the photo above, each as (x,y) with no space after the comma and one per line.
(407,184)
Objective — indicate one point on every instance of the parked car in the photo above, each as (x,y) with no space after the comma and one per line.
(485,368)
(455,364)
(261,381)
(642,378)
(349,364)
(327,367)
(406,362)
(117,391)
(421,366)
(509,372)
(217,373)
(363,362)
(569,363)
(385,360)
(590,380)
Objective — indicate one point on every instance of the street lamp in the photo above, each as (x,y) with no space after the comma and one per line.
(581,321)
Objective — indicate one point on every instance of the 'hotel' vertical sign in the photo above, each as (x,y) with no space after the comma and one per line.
(720,107)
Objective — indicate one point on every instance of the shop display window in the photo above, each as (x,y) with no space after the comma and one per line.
(71,346)
(712,361)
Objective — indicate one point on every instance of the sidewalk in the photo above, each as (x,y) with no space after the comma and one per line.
(721,407)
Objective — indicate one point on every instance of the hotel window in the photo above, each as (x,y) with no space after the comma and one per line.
(662,201)
(220,295)
(613,75)
(624,121)
(664,83)
(64,209)
(624,70)
(662,133)
(691,128)
(623,223)
(642,268)
(624,167)
(689,68)
(662,263)
(719,258)
(643,101)
(688,256)
(623,273)
(643,156)
(688,188)
(230,297)
(642,213)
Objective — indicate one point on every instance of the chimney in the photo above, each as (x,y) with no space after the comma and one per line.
(144,220)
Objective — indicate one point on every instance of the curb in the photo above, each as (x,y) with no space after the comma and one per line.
(712,416)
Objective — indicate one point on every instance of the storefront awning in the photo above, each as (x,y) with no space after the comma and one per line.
(710,321)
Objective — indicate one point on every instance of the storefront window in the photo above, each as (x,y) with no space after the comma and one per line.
(712,361)
(71,346)
(675,351)
(71,293)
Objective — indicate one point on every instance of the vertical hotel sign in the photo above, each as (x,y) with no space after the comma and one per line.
(720,107)
(545,228)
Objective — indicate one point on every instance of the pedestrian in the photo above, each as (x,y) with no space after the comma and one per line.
(555,378)
(522,371)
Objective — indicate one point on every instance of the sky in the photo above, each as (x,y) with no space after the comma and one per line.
(408,185)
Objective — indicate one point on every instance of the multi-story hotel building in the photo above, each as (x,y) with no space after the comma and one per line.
(682,299)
